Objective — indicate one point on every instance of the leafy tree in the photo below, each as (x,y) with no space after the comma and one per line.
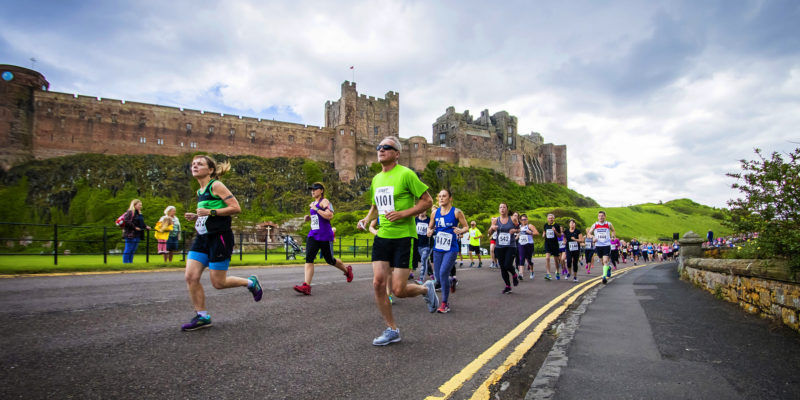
(771,204)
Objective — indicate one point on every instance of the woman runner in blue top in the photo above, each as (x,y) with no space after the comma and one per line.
(506,226)
(447,224)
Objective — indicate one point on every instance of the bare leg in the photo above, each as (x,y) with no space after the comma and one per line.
(221,280)
(402,288)
(381,272)
(194,270)
(309,273)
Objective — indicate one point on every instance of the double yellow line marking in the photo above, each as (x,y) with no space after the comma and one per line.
(458,380)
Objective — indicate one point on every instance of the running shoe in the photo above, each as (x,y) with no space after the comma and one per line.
(547,277)
(471,264)
(480,265)
(431,299)
(349,273)
(520,275)
(575,279)
(507,290)
(516,281)
(255,288)
(443,308)
(558,277)
(568,275)
(604,280)
(461,264)
(634,263)
(391,299)
(411,276)
(304,289)
(196,323)
(388,336)
(419,282)
(453,284)
(531,275)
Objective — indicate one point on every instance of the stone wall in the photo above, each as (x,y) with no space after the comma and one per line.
(763,287)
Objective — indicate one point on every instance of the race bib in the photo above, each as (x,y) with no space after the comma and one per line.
(314,222)
(636,247)
(602,235)
(550,234)
(504,239)
(422,228)
(523,239)
(200,225)
(384,199)
(613,246)
(444,241)
(573,246)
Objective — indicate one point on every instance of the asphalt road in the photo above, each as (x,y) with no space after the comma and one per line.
(118,336)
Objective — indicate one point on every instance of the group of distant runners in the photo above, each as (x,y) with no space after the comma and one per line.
(406,235)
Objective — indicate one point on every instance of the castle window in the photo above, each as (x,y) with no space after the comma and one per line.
(510,140)
(98,117)
(341,132)
(210,130)
(113,118)
(351,132)
(188,127)
(142,122)
(291,139)
(142,140)
(442,137)
(181,144)
(375,131)
(510,130)
(193,145)
(81,114)
(252,134)
(233,131)
(308,141)
(160,141)
(416,145)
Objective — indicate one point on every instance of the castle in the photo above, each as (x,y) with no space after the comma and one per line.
(36,123)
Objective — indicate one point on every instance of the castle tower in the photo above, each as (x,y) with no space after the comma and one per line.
(17,91)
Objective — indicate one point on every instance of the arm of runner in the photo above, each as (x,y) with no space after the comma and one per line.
(431,223)
(372,229)
(363,224)
(324,210)
(613,231)
(462,222)
(533,229)
(425,202)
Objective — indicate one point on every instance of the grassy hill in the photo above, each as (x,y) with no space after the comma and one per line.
(93,189)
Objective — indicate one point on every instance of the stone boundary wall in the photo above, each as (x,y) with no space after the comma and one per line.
(764,287)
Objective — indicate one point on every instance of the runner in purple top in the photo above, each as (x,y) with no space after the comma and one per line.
(320,237)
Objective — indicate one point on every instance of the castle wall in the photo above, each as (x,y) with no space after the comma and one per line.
(17,113)
(69,124)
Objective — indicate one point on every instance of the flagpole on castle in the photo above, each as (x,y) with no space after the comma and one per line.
(352,68)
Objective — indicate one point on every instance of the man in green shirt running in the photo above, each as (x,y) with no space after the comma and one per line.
(397,196)
(475,236)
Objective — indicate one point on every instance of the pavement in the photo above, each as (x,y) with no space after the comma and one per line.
(647,334)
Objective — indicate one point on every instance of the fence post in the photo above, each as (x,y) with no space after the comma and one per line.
(241,245)
(183,246)
(354,247)
(55,244)
(105,245)
(340,247)
(146,246)
(266,245)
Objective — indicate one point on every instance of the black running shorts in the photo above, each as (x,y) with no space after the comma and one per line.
(398,252)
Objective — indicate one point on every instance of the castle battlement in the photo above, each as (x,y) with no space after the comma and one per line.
(37,123)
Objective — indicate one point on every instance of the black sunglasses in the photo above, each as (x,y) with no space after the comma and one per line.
(385,147)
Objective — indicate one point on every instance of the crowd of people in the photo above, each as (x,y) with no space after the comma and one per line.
(411,235)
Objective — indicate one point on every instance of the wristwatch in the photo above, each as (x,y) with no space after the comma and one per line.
(213,213)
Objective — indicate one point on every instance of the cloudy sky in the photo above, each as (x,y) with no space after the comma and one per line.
(655,100)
